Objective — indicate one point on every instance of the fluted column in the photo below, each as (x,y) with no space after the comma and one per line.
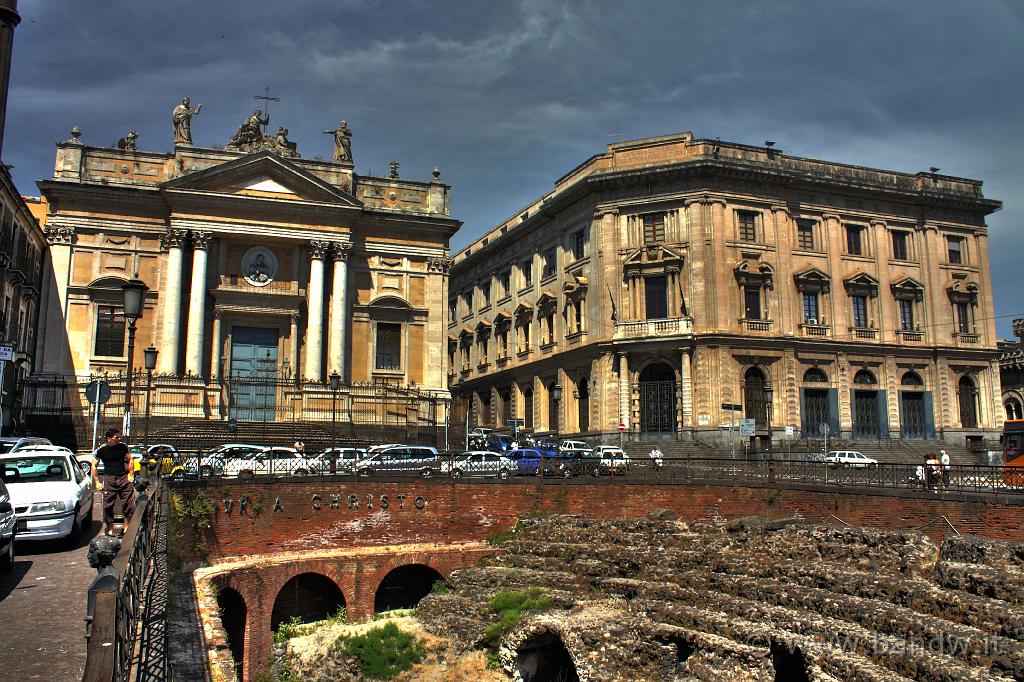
(197,304)
(685,375)
(623,389)
(170,300)
(315,317)
(216,345)
(339,308)
(295,343)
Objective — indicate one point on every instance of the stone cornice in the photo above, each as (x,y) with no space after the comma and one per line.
(59,235)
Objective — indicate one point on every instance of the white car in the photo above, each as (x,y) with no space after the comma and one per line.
(850,458)
(273,461)
(480,463)
(51,493)
(613,459)
(344,460)
(212,463)
(8,523)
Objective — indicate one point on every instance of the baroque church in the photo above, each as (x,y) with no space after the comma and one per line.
(258,263)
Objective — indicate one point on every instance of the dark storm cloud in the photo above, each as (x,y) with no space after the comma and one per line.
(506,97)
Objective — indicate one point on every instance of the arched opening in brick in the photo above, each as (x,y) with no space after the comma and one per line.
(309,597)
(404,587)
(789,662)
(544,657)
(684,648)
(233,616)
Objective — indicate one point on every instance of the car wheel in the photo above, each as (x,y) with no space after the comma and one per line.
(7,560)
(567,472)
(76,530)
(245,474)
(299,472)
(427,473)
(178,476)
(206,472)
(456,473)
(503,474)
(538,472)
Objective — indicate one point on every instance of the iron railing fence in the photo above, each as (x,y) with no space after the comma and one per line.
(115,598)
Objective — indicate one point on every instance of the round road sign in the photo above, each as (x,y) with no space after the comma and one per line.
(622,427)
(97,392)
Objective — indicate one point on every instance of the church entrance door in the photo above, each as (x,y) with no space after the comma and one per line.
(253,374)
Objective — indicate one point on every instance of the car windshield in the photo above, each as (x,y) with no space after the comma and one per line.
(32,469)
(5,447)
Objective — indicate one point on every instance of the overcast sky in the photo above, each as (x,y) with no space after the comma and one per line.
(507,96)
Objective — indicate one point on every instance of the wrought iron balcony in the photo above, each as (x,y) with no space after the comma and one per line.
(671,326)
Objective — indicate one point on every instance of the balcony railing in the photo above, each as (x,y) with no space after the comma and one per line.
(757,325)
(238,283)
(967,339)
(670,326)
(907,335)
(864,333)
(815,329)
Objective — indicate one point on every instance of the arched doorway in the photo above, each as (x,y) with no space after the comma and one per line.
(815,409)
(913,420)
(583,404)
(309,597)
(866,406)
(543,657)
(658,399)
(552,408)
(753,392)
(968,394)
(404,587)
(233,617)
(528,408)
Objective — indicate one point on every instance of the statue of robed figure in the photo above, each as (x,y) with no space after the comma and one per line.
(342,142)
(181,117)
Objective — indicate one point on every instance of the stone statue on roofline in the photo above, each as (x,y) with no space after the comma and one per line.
(342,142)
(249,138)
(181,118)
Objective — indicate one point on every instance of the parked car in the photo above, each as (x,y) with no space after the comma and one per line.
(529,462)
(575,446)
(8,524)
(141,457)
(51,492)
(15,443)
(850,458)
(499,442)
(479,464)
(210,463)
(613,459)
(571,463)
(403,459)
(270,461)
(340,460)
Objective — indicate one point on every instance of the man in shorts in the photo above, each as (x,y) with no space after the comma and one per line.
(117,462)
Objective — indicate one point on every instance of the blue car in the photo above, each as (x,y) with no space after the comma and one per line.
(528,462)
(499,442)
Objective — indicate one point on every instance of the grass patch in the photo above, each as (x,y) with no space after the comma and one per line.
(500,537)
(510,607)
(287,629)
(385,652)
(440,587)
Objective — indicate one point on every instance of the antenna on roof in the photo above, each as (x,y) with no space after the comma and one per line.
(769,143)
(933,170)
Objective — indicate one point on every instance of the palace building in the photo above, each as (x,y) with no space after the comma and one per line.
(672,286)
(263,268)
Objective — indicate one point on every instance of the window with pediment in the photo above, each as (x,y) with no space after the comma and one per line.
(815,376)
(963,296)
(862,290)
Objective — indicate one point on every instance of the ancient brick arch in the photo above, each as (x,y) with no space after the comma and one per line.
(308,596)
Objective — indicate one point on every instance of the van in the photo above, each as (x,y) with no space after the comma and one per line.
(422,460)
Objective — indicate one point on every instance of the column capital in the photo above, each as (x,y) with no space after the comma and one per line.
(295,316)
(442,265)
(173,238)
(64,234)
(218,314)
(602,212)
(318,249)
(831,216)
(341,250)
(706,200)
(201,239)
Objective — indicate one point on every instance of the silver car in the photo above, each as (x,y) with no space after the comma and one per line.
(8,524)
(480,464)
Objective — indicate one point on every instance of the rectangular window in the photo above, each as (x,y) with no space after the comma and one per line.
(860,311)
(550,264)
(805,234)
(549,328)
(110,327)
(656,297)
(906,315)
(748,225)
(654,228)
(503,284)
(467,302)
(481,350)
(752,303)
(954,249)
(485,294)
(579,245)
(900,250)
(453,309)
(854,240)
(389,346)
(503,343)
(526,272)
(811,309)
(465,357)
(963,318)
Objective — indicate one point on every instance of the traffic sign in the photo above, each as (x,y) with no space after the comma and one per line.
(515,422)
(622,427)
(6,353)
(747,427)
(97,392)
(823,428)
(732,407)
(790,431)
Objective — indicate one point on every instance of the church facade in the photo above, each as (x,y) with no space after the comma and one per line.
(260,265)
(672,286)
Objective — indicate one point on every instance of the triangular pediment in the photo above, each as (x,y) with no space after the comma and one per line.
(263,175)
(652,253)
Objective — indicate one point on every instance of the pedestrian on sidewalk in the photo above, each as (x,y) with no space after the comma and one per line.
(115,483)
(944,461)
(656,457)
(920,475)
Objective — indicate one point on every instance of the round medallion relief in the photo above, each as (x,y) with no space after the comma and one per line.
(259,266)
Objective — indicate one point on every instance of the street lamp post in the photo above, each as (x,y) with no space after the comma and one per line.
(149,359)
(768,413)
(335,385)
(556,395)
(134,292)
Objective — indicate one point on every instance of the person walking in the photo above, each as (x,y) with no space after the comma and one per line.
(944,461)
(656,457)
(117,462)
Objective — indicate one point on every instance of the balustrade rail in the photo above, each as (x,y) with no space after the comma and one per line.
(114,609)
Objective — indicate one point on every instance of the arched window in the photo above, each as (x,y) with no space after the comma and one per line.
(552,408)
(815,376)
(753,390)
(1013,409)
(968,394)
(583,396)
(864,378)
(912,379)
(528,408)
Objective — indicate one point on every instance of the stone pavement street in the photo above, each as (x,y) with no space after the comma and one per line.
(42,610)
